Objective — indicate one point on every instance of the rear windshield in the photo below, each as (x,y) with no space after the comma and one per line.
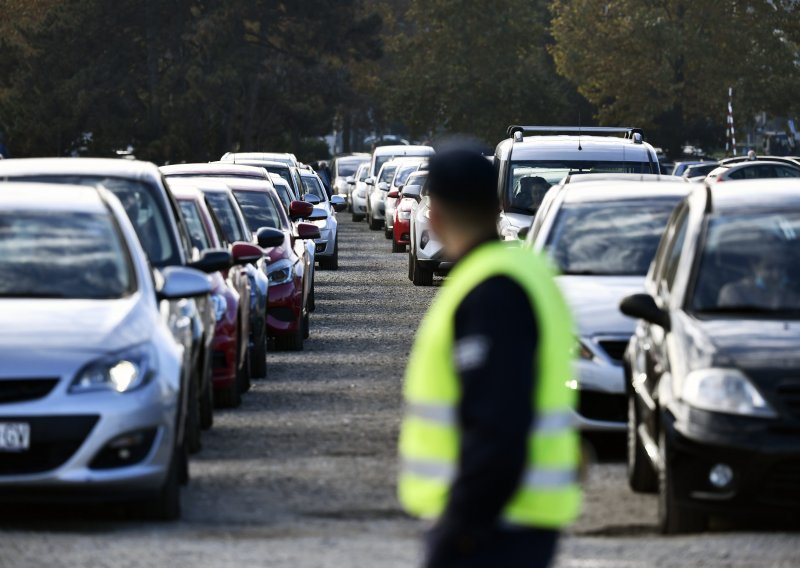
(143,206)
(348,168)
(259,209)
(75,256)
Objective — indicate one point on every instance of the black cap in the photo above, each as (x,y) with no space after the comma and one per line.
(464,177)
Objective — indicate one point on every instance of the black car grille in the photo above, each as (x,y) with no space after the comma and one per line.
(20,390)
(789,395)
(614,348)
(603,406)
(54,439)
(781,485)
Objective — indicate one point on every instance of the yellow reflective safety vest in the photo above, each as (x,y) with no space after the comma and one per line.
(549,495)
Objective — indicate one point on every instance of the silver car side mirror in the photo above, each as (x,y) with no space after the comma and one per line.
(176,282)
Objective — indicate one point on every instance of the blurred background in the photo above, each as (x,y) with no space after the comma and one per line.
(187,80)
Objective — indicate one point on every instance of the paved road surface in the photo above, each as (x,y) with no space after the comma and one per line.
(302,475)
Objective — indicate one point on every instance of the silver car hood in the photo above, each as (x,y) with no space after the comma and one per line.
(595,302)
(84,326)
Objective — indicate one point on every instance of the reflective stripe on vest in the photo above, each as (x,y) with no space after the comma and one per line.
(548,494)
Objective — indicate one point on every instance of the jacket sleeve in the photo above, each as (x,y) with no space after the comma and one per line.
(495,347)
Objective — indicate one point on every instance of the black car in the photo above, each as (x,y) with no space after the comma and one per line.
(713,370)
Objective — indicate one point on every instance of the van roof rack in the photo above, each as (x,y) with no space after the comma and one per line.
(516,132)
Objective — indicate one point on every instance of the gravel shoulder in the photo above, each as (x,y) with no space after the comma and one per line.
(302,475)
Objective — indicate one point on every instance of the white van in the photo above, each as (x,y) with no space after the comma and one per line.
(527,166)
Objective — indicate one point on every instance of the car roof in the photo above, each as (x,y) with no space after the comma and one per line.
(249,185)
(216,168)
(281,156)
(204,184)
(101,167)
(278,180)
(753,195)
(354,157)
(563,146)
(402,150)
(257,163)
(582,178)
(618,190)
(751,163)
(408,160)
(184,189)
(51,197)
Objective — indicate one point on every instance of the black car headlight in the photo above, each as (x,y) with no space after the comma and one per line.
(280,272)
(124,371)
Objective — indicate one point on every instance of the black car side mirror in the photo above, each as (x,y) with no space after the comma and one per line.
(523,232)
(643,306)
(267,237)
(213,260)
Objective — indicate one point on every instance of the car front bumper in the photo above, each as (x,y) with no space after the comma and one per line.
(602,402)
(326,244)
(71,432)
(285,309)
(402,231)
(764,458)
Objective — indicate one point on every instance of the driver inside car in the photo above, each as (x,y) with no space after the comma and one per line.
(768,286)
(531,192)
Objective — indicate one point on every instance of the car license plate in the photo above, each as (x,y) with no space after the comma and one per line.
(15,436)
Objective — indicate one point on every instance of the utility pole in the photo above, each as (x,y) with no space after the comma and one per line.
(730,141)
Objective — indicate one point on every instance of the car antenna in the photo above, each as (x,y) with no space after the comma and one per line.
(580,148)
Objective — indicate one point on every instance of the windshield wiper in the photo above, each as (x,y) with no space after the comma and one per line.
(584,273)
(54,295)
(746,309)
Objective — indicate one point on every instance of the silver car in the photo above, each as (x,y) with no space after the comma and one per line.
(358,193)
(376,195)
(425,252)
(327,246)
(602,237)
(343,169)
(92,402)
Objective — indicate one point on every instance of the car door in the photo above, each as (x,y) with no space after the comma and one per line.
(653,338)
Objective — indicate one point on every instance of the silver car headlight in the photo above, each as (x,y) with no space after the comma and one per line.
(220,304)
(725,390)
(322,223)
(120,372)
(280,272)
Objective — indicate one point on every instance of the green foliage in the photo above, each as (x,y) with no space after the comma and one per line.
(667,65)
(474,68)
(179,79)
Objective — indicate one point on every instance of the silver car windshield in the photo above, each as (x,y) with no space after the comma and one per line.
(750,264)
(75,256)
(608,238)
(529,180)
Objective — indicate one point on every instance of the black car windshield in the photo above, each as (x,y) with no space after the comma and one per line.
(74,256)
(750,264)
(313,187)
(608,238)
(226,215)
(145,210)
(528,181)
(259,209)
(347,168)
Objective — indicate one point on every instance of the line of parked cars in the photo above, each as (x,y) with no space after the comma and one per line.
(686,299)
(135,300)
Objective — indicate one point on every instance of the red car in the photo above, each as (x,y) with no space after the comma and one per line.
(407,197)
(230,297)
(289,265)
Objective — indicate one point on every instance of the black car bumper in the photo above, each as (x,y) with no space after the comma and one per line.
(763,456)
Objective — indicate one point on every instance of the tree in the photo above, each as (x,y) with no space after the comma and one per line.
(474,68)
(666,65)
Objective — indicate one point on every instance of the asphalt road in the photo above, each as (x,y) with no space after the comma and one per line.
(302,475)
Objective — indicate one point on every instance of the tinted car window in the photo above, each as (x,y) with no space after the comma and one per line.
(673,253)
(197,230)
(144,208)
(402,174)
(347,168)
(76,256)
(608,238)
(259,210)
(783,171)
(363,172)
(313,186)
(226,216)
(387,174)
(750,263)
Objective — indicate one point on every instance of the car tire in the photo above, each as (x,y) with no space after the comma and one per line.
(388,233)
(410,266)
(228,397)
(166,505)
(243,377)
(306,326)
(674,517)
(357,218)
(374,224)
(397,247)
(207,406)
(193,437)
(292,342)
(258,358)
(332,262)
(642,477)
(421,276)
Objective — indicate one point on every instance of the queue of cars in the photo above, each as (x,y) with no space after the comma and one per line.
(686,299)
(160,291)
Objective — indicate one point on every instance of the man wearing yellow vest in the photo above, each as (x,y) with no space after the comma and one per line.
(488,449)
